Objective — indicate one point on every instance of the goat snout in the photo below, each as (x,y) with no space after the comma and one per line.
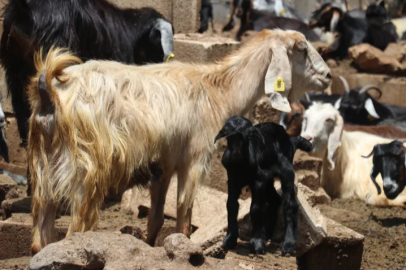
(328,75)
(390,188)
(309,138)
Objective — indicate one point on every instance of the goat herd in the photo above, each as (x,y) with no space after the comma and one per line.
(93,122)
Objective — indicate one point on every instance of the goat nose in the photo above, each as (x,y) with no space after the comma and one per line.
(309,138)
(328,75)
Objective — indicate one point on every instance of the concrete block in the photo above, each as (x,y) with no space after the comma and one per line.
(16,235)
(17,154)
(186,16)
(18,205)
(341,250)
(6,185)
(392,87)
(314,197)
(200,48)
(302,161)
(164,7)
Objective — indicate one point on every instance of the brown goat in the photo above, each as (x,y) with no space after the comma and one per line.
(103,124)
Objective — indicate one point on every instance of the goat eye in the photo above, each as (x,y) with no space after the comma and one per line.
(330,121)
(301,47)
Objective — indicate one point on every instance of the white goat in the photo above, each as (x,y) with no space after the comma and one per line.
(102,124)
(345,172)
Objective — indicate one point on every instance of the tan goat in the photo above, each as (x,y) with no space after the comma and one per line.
(102,124)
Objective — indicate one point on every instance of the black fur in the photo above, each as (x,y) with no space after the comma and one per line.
(389,161)
(206,15)
(92,29)
(254,156)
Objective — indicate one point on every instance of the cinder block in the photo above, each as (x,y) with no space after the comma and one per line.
(16,235)
(17,205)
(200,48)
(164,7)
(6,184)
(341,250)
(186,16)
(17,154)
(393,88)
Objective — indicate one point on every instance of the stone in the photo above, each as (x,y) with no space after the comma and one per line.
(341,250)
(315,197)
(186,16)
(107,250)
(179,247)
(302,161)
(196,47)
(6,185)
(134,231)
(263,112)
(397,51)
(370,59)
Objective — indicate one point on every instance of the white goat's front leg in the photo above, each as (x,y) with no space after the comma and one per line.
(189,178)
(158,192)
(44,214)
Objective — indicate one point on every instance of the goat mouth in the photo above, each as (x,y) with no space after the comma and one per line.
(324,81)
(392,195)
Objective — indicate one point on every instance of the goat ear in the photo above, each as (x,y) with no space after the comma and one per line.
(334,141)
(166,30)
(334,21)
(278,79)
(369,106)
(337,104)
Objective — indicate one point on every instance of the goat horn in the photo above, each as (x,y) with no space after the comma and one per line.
(308,97)
(366,88)
(370,154)
(345,84)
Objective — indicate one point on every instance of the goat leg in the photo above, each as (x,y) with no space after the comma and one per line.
(258,214)
(230,241)
(274,201)
(290,207)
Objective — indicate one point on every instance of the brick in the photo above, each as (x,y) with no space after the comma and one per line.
(17,154)
(341,250)
(186,16)
(6,185)
(200,48)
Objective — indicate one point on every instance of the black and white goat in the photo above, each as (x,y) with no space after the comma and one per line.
(254,156)
(389,161)
(93,29)
(353,30)
(258,17)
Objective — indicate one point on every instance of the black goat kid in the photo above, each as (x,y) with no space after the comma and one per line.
(206,15)
(254,156)
(389,161)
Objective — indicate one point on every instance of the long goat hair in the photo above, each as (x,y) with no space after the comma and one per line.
(101,125)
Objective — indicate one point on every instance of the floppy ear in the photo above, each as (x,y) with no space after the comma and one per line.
(369,106)
(279,69)
(334,141)
(223,133)
(334,21)
(337,104)
(373,175)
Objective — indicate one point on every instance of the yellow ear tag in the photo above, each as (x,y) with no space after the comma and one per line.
(279,85)
(282,12)
(170,57)
(228,16)
(371,118)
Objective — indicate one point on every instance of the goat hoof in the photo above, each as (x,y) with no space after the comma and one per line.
(289,248)
(230,241)
(258,245)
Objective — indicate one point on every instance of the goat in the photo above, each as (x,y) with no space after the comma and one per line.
(345,173)
(106,120)
(206,15)
(389,161)
(380,32)
(292,122)
(254,19)
(93,29)
(254,156)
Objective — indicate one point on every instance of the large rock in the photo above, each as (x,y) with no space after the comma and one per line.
(371,59)
(108,251)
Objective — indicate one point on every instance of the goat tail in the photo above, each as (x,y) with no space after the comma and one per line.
(301,143)
(40,89)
